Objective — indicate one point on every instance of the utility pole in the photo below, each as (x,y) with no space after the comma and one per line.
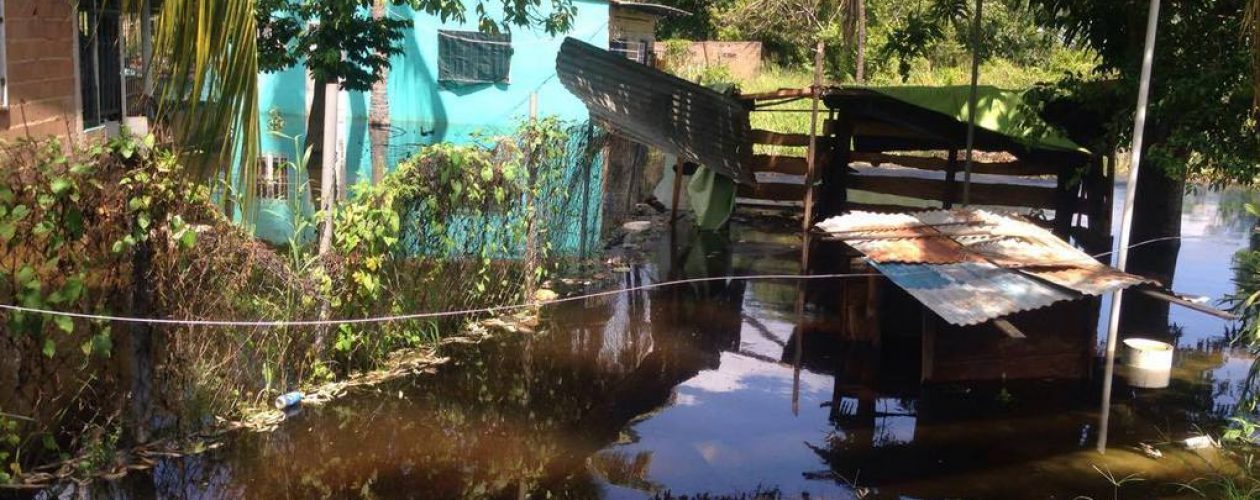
(1126,219)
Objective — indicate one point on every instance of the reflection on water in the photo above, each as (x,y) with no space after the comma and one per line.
(687,390)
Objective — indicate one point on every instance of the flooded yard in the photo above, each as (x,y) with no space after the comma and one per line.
(698,389)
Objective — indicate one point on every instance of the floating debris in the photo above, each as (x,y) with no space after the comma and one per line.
(1200,442)
(288,399)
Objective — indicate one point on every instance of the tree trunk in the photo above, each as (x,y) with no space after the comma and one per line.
(378,115)
(315,143)
(141,345)
(1156,214)
(859,60)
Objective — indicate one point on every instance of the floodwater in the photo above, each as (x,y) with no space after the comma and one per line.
(698,390)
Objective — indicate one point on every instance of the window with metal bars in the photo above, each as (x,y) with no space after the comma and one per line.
(271,180)
(100,62)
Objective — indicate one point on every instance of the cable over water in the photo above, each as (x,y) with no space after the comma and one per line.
(467,312)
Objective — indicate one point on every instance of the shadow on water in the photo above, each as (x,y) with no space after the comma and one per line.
(690,389)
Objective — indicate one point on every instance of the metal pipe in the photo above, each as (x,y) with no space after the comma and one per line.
(1126,219)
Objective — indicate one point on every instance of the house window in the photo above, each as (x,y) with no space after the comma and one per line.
(100,62)
(272,178)
(471,57)
(635,51)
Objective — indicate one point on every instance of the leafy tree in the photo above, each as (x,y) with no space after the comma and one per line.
(1201,121)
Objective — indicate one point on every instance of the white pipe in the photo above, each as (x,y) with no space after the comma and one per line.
(328,187)
(971,103)
(1126,219)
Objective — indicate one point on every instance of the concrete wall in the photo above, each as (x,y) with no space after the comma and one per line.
(423,111)
(742,58)
(40,42)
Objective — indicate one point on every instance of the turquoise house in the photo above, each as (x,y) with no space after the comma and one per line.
(432,100)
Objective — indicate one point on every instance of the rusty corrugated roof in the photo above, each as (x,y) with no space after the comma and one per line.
(658,109)
(972,266)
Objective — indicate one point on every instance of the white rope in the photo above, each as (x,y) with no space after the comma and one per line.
(423,315)
(466,312)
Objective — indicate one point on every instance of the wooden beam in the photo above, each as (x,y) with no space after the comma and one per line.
(867,128)
(1203,308)
(1009,329)
(758,136)
(1016,167)
(774,191)
(791,165)
(935,189)
(777,94)
(881,208)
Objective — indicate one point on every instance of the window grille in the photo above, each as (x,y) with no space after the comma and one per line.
(100,62)
(271,179)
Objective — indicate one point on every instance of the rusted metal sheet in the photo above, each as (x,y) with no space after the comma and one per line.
(658,109)
(972,266)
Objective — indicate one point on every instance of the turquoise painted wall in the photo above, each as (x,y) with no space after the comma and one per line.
(424,112)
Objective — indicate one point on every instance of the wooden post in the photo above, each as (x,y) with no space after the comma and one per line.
(929,346)
(586,190)
(972,102)
(951,179)
(1065,203)
(832,195)
(811,157)
(678,174)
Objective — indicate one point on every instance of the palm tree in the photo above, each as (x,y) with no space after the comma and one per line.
(378,116)
(209,94)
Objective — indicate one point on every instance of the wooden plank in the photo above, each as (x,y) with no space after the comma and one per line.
(777,94)
(868,128)
(1016,167)
(758,136)
(774,191)
(935,189)
(881,208)
(1009,329)
(1194,306)
(779,164)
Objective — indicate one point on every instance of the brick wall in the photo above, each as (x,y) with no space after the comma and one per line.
(43,92)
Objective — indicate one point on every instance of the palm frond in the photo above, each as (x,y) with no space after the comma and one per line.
(207,69)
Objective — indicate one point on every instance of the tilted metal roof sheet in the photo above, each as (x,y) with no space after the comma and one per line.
(658,109)
(972,266)
(972,293)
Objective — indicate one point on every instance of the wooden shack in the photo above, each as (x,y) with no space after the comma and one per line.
(903,148)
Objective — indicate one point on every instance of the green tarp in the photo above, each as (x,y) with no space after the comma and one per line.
(712,198)
(1002,111)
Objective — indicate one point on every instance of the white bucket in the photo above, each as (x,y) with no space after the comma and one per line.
(1148,363)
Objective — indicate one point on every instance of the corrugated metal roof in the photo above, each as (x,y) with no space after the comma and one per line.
(972,266)
(658,109)
(972,293)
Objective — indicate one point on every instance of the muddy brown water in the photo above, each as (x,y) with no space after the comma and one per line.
(693,390)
